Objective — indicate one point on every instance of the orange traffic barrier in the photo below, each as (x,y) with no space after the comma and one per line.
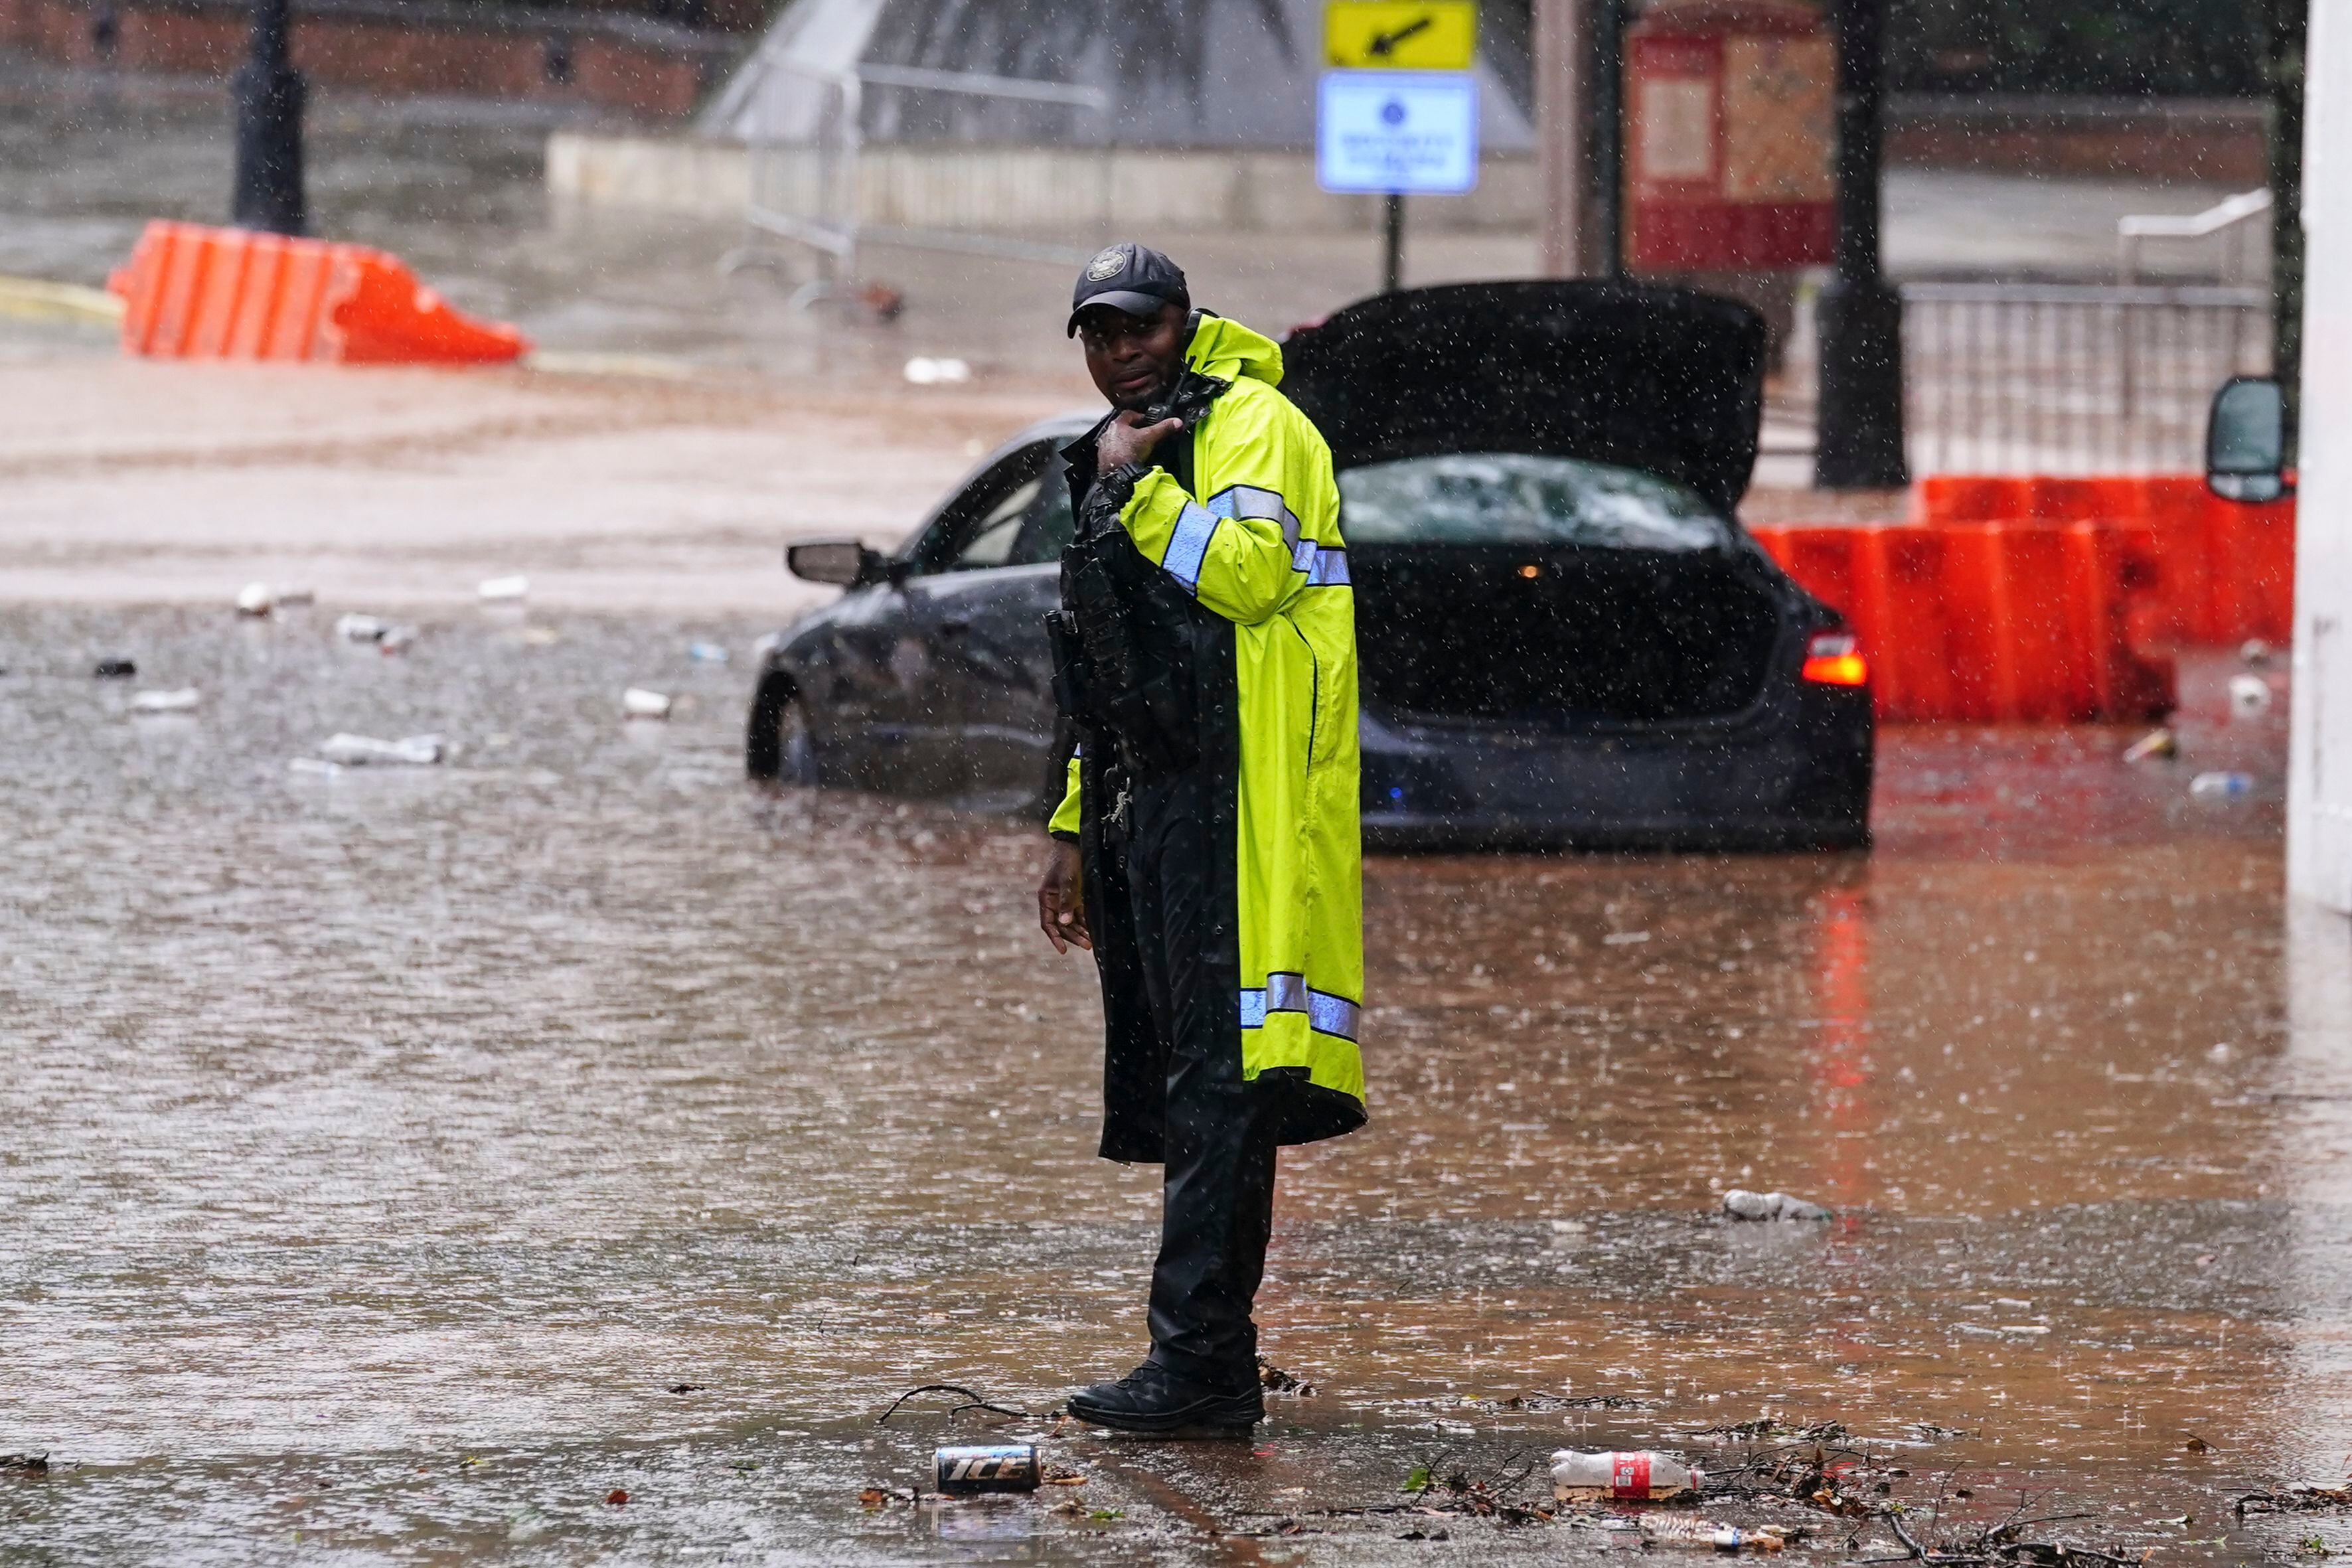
(194,293)
(2228,567)
(2000,622)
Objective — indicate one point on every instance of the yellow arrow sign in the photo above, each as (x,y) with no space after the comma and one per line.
(1401,34)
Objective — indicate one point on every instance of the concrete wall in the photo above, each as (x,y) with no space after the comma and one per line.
(2319,780)
(1019,189)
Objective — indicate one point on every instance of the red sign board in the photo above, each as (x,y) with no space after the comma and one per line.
(1727,137)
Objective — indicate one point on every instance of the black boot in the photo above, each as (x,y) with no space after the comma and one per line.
(1153,1399)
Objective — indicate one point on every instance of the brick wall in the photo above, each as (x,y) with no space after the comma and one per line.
(397,50)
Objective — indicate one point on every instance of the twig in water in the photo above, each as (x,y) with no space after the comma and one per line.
(974,1402)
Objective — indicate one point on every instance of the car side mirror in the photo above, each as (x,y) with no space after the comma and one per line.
(842,563)
(2245,440)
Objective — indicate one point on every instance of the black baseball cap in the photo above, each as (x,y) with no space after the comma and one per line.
(1127,276)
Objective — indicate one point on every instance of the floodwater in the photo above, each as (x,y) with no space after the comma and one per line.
(398,1163)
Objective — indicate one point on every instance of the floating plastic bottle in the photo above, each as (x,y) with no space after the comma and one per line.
(498,588)
(179,701)
(1622,1477)
(638,703)
(362,750)
(706,653)
(2220,786)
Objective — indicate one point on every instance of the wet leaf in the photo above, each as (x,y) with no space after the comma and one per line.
(616,1497)
(1106,1515)
(1416,1479)
(689,1388)
(873,1497)
(2197,1445)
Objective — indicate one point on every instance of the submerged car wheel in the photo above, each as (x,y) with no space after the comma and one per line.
(776,743)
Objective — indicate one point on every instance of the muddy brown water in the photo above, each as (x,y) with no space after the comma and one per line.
(383,1152)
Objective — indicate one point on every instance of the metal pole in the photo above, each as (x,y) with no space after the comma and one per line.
(1392,243)
(1859,438)
(1561,171)
(2289,27)
(268,94)
(1609,135)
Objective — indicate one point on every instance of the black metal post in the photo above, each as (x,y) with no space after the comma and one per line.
(2289,22)
(269,92)
(1393,245)
(1859,426)
(1609,135)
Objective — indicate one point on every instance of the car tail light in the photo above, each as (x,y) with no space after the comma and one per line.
(1834,658)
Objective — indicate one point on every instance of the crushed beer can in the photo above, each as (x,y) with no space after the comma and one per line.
(987,1467)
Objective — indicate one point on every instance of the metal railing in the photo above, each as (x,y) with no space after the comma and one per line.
(2062,378)
(810,188)
(2231,224)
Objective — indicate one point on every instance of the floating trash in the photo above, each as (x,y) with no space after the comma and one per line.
(255,599)
(1742,1204)
(498,588)
(2250,696)
(362,628)
(706,653)
(2220,786)
(362,750)
(115,668)
(178,701)
(1623,1478)
(639,703)
(2154,744)
(998,1468)
(923,371)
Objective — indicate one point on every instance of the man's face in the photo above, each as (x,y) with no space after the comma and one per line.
(1133,359)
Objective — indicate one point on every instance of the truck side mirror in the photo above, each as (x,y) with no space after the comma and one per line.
(842,563)
(2245,440)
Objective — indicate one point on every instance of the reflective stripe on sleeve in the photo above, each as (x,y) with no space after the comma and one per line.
(1248,500)
(1325,566)
(1188,546)
(1325,1014)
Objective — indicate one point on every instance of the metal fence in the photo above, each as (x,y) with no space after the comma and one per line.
(2062,378)
(813,186)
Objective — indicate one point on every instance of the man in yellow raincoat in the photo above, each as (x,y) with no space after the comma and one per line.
(1207,851)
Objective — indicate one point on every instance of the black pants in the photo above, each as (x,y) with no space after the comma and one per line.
(1217,1208)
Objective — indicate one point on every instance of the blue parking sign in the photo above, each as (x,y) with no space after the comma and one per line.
(1396,132)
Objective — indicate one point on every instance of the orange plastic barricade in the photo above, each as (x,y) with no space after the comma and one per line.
(1990,622)
(190,291)
(2228,568)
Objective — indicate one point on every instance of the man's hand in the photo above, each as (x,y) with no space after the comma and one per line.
(1062,899)
(1128,439)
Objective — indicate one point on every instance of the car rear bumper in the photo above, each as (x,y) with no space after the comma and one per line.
(1794,776)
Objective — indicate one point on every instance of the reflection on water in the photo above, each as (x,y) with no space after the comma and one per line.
(385,1150)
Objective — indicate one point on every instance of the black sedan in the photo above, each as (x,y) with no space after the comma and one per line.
(1564,636)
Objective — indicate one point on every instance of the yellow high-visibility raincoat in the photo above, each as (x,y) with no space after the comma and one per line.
(1256,543)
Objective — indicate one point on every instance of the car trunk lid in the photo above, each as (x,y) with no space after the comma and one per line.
(1669,381)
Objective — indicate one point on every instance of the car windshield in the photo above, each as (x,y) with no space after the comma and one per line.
(1511,498)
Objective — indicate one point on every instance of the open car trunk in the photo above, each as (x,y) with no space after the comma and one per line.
(1561,638)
